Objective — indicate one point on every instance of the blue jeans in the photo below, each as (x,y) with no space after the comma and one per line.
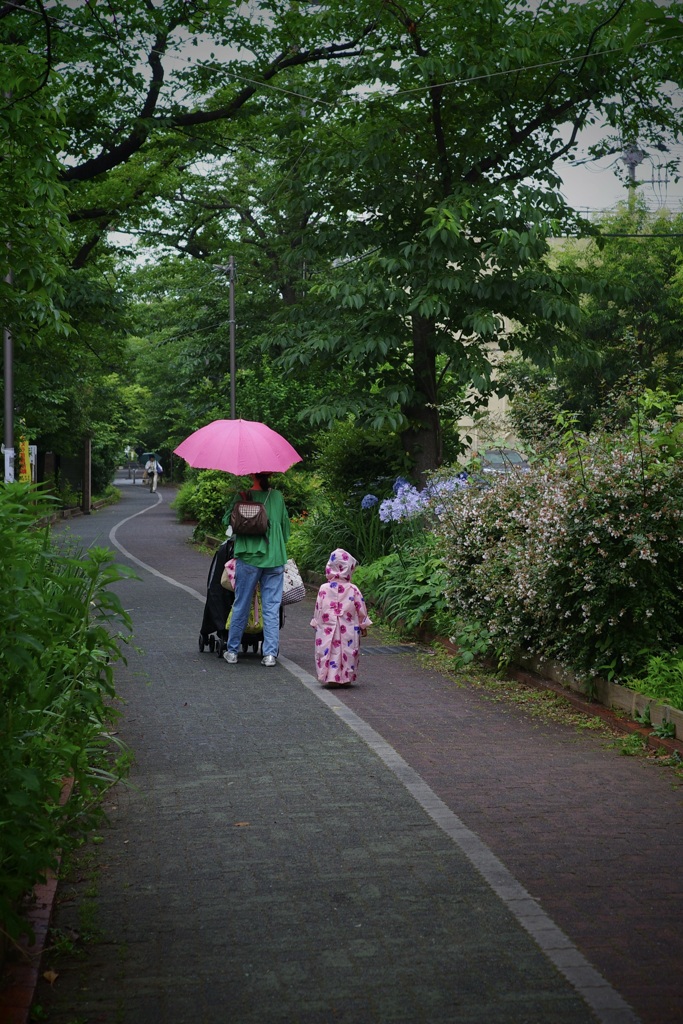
(246,578)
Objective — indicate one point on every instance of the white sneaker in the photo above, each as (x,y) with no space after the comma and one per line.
(269,661)
(230,657)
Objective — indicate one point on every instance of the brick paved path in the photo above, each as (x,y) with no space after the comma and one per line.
(288,855)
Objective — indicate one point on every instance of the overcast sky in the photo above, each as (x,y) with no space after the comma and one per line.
(598,185)
(595,186)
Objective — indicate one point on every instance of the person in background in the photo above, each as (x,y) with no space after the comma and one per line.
(153,469)
(260,559)
(340,620)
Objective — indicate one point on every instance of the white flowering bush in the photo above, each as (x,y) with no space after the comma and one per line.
(581,560)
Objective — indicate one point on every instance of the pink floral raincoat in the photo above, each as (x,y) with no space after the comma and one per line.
(340,615)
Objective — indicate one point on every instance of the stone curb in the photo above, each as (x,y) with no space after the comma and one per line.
(543,675)
(614,696)
(72,513)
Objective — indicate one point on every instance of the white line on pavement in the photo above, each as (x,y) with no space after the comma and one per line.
(609,1007)
(144,565)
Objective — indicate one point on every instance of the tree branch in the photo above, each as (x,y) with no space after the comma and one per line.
(83,253)
(124,151)
(145,122)
(11,8)
(92,213)
(435,96)
(588,49)
(549,114)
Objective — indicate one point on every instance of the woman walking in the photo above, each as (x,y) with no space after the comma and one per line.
(260,559)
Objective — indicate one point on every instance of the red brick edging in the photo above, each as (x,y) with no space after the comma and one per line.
(20,977)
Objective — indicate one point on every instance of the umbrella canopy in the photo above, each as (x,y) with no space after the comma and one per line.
(240,447)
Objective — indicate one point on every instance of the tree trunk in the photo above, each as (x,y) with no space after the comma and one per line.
(422,439)
(86,501)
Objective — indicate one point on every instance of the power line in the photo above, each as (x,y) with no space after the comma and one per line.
(387,95)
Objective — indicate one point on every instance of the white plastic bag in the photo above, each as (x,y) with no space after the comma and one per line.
(293,588)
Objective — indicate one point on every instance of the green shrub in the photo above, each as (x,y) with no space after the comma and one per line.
(110,494)
(580,560)
(61,637)
(353,460)
(338,524)
(662,679)
(408,586)
(207,496)
(300,489)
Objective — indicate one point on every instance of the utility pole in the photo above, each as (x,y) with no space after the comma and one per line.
(233,275)
(231,271)
(8,364)
(632,157)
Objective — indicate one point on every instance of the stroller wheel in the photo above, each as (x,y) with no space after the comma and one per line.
(245,646)
(201,643)
(220,647)
(255,646)
(212,643)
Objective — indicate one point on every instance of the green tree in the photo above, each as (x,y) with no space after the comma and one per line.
(33,235)
(414,148)
(140,96)
(633,318)
(180,316)
(444,188)
(142,86)
(70,388)
(630,332)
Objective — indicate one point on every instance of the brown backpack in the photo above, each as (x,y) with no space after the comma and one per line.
(249,518)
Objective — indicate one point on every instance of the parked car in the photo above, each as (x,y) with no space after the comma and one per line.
(503,461)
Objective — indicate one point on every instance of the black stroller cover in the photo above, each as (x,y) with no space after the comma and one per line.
(218,603)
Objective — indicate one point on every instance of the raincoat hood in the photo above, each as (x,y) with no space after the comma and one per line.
(340,565)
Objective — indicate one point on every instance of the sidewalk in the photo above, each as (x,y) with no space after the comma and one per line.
(290,855)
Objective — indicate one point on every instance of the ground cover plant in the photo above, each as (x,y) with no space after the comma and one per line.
(62,632)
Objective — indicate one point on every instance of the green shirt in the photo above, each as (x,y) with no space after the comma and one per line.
(269,551)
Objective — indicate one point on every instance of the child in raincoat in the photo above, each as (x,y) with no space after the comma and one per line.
(340,620)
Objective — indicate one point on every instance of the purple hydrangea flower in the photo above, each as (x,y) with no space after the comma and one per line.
(409,502)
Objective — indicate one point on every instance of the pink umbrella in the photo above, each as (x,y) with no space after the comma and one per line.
(240,447)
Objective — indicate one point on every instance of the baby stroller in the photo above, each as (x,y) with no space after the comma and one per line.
(213,633)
